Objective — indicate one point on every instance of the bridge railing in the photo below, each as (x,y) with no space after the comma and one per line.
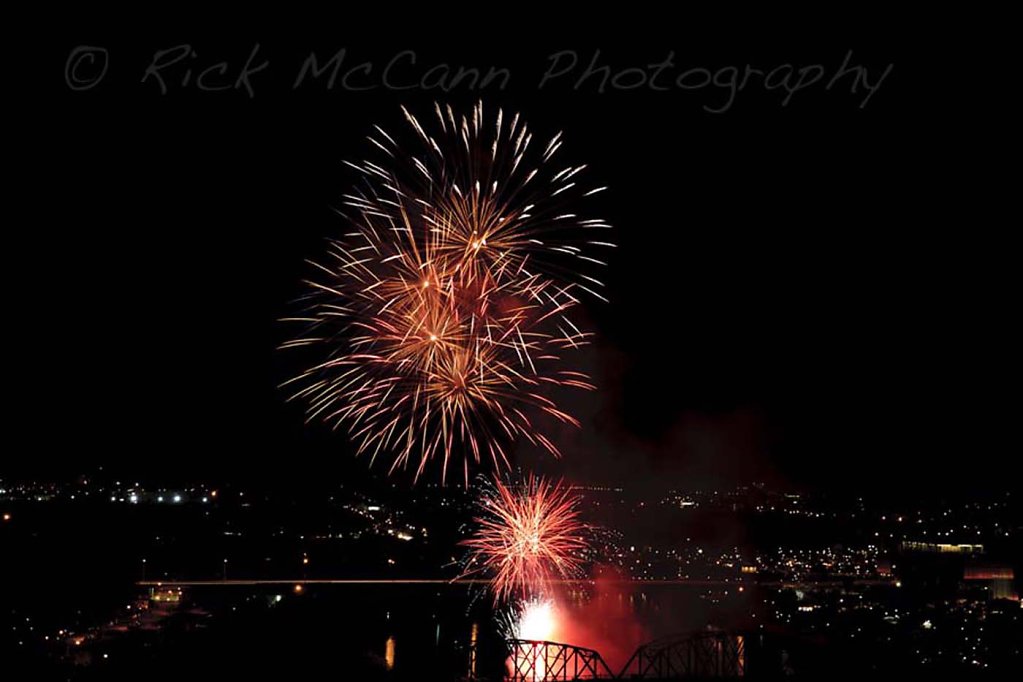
(531,661)
(699,655)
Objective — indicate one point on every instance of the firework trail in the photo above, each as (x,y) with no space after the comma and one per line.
(443,314)
(527,537)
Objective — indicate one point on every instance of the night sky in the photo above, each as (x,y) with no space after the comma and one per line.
(815,295)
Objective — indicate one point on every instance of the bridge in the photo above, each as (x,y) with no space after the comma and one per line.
(700,655)
(534,660)
(249,582)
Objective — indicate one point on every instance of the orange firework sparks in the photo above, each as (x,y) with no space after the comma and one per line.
(442,313)
(526,538)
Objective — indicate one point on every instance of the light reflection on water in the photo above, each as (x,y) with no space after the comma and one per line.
(389,653)
(473,641)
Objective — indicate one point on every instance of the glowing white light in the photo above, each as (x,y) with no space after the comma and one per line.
(537,620)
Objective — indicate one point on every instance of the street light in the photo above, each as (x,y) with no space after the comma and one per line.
(225,570)
(143,570)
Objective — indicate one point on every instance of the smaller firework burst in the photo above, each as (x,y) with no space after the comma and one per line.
(528,536)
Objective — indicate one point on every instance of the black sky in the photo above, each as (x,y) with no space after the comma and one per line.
(817,294)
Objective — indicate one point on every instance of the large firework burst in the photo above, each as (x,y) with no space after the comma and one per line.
(527,537)
(444,312)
